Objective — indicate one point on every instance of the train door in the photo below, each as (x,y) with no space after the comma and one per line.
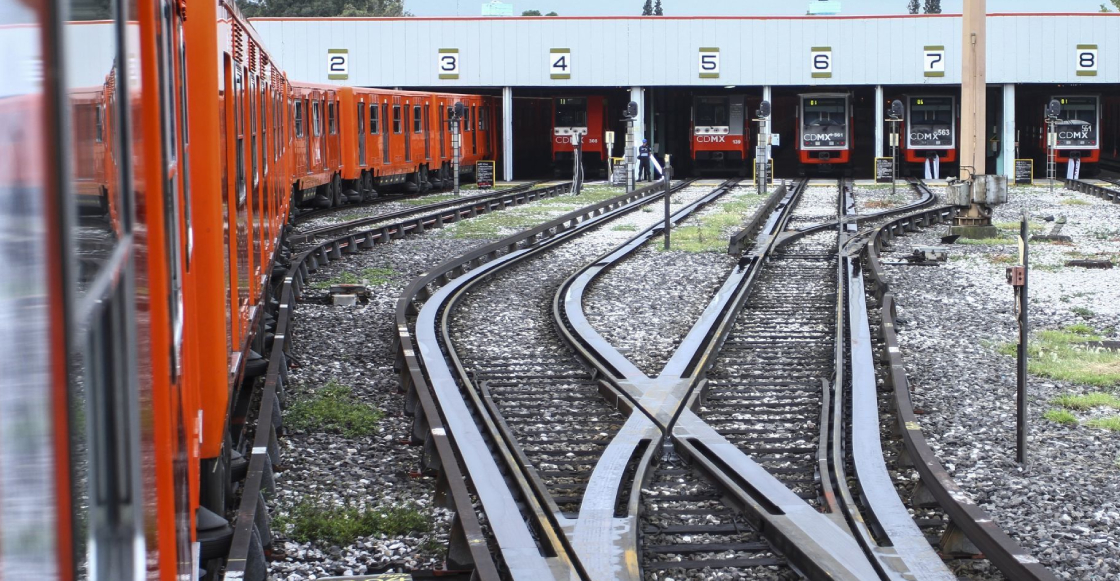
(427,133)
(442,130)
(362,133)
(385,133)
(332,133)
(407,136)
(474,131)
(254,189)
(316,133)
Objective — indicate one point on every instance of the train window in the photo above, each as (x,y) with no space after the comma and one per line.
(711,112)
(417,119)
(264,128)
(332,120)
(299,118)
(483,118)
(373,128)
(239,124)
(316,126)
(467,119)
(99,115)
(474,134)
(396,119)
(571,112)
(442,126)
(252,113)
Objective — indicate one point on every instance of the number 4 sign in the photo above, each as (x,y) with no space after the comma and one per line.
(560,63)
(933,61)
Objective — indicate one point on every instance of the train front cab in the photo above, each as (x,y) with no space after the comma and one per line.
(1077,148)
(586,116)
(720,133)
(317,145)
(824,135)
(929,141)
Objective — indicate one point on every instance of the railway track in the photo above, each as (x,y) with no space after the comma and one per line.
(1111,194)
(756,452)
(305,214)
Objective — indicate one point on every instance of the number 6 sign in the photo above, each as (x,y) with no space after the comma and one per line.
(933,61)
(820,62)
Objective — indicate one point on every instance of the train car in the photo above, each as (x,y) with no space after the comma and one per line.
(317,148)
(480,130)
(720,133)
(89,155)
(930,134)
(1077,149)
(586,116)
(824,134)
(1110,132)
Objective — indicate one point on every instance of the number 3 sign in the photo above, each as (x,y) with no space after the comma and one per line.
(447,64)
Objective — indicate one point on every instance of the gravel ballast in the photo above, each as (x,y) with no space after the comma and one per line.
(1064,506)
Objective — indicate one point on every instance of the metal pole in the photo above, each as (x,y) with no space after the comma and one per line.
(1021,402)
(894,159)
(629,155)
(668,179)
(456,143)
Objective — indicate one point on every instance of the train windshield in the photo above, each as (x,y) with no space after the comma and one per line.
(1077,122)
(931,122)
(712,112)
(571,113)
(825,121)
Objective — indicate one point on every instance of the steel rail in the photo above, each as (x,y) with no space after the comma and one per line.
(418,357)
(964,514)
(464,205)
(310,214)
(817,546)
(906,553)
(1102,192)
(252,526)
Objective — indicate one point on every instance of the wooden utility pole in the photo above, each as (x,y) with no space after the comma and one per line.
(973,88)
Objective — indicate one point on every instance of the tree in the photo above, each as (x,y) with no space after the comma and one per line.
(552,14)
(647,10)
(531,13)
(322,8)
(1115,4)
(933,7)
(913,7)
(657,11)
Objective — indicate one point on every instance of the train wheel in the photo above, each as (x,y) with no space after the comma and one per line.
(336,191)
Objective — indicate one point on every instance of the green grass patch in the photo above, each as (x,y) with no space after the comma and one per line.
(334,409)
(710,231)
(986,241)
(1003,259)
(1060,416)
(505,222)
(1087,401)
(315,521)
(1014,226)
(1063,355)
(372,276)
(1074,202)
(625,228)
(1110,423)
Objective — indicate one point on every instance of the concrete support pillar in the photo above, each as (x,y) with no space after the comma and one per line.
(974,140)
(1007,140)
(880,114)
(638,95)
(507,133)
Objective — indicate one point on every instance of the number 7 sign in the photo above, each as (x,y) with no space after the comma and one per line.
(933,61)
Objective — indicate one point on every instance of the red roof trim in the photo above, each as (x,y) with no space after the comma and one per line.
(540,18)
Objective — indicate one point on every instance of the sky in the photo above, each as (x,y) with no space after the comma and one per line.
(730,7)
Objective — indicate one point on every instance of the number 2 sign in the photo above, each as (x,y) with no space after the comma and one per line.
(933,61)
(338,64)
(560,63)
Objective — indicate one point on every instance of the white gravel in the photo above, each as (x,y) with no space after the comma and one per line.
(1064,506)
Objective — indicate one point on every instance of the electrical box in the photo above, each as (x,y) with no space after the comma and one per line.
(1016,275)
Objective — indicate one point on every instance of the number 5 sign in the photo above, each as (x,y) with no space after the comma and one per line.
(820,62)
(560,63)
(1086,60)
(338,64)
(447,63)
(933,61)
(709,63)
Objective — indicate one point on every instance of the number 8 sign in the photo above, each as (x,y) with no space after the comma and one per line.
(1086,60)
